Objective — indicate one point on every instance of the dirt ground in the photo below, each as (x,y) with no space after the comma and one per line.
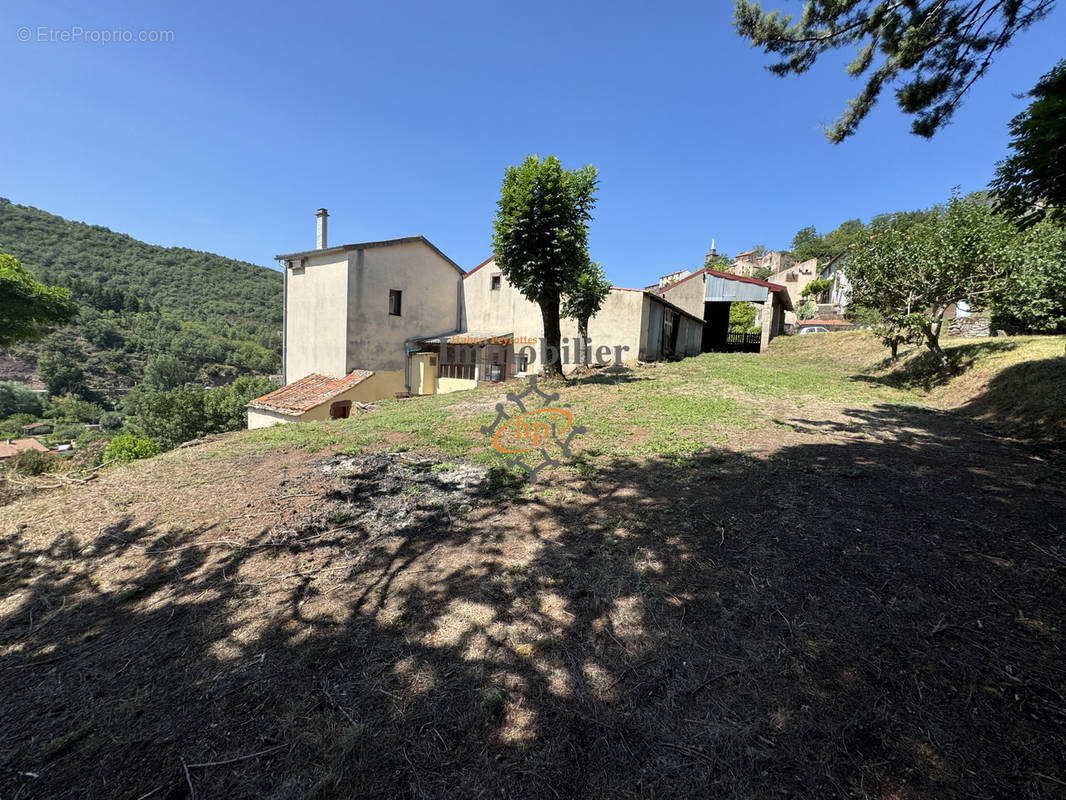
(862,602)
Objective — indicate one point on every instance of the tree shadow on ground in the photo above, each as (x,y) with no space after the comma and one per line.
(611,376)
(922,370)
(1028,399)
(875,617)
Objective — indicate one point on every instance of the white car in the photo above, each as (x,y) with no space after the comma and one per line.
(814,329)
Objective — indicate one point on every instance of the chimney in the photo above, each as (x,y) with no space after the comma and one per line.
(320,230)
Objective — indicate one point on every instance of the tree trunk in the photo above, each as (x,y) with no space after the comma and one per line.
(583,334)
(549,312)
(895,350)
(932,341)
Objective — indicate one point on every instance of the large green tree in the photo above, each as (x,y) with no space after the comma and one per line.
(584,300)
(960,252)
(541,237)
(1030,184)
(1034,298)
(931,51)
(27,306)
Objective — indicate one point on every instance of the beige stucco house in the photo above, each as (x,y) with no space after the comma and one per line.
(397,317)
(795,279)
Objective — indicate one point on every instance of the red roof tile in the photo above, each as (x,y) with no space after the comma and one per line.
(307,393)
(12,447)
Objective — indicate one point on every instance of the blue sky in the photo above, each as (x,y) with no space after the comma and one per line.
(401,117)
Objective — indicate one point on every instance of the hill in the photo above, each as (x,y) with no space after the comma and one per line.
(219,316)
(759,576)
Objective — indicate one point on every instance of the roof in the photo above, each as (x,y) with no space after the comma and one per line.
(479,266)
(827,322)
(345,248)
(12,447)
(468,337)
(35,425)
(773,287)
(307,393)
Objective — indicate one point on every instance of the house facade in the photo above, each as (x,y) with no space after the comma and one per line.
(397,317)
(747,263)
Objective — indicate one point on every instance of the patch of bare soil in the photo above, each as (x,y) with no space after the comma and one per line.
(872,608)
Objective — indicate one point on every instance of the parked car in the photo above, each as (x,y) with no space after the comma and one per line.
(814,329)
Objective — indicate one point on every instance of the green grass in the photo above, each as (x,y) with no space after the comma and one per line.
(679,409)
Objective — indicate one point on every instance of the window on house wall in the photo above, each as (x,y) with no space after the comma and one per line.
(495,285)
(340,410)
(395,297)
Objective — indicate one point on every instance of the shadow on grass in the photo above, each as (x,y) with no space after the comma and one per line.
(612,376)
(1026,399)
(877,617)
(921,369)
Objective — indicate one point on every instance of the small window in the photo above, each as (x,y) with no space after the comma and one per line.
(340,410)
(433,361)
(395,297)
(495,285)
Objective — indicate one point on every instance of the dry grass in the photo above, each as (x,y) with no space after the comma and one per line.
(815,590)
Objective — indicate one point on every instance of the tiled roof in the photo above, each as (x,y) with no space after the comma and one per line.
(307,393)
(12,447)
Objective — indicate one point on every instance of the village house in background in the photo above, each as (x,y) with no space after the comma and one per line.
(12,447)
(397,317)
(795,278)
(746,264)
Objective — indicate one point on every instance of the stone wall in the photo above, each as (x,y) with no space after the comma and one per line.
(971,327)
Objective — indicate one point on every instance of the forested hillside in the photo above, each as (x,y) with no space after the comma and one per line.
(216,316)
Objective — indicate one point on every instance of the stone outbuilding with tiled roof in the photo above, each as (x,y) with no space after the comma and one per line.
(313,397)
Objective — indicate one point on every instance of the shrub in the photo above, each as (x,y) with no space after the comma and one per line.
(128,447)
(741,316)
(33,462)
(89,456)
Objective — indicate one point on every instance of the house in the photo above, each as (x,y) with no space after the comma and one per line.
(746,264)
(312,397)
(795,279)
(357,310)
(709,293)
(37,428)
(632,325)
(834,300)
(398,317)
(12,447)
